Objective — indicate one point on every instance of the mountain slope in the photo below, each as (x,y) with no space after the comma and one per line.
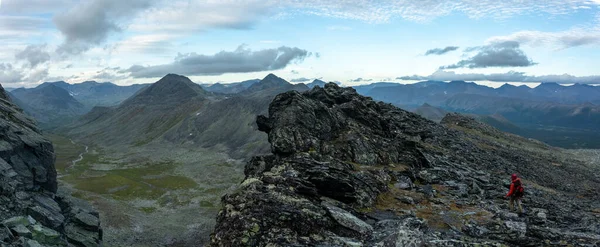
(230,122)
(346,170)
(585,116)
(48,104)
(431,112)
(556,114)
(180,112)
(435,92)
(145,116)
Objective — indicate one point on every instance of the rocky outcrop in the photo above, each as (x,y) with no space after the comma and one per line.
(348,171)
(32,212)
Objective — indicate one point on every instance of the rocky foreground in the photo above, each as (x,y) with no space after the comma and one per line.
(32,213)
(348,171)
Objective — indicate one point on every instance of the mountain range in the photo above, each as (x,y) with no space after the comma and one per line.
(178,111)
(49,104)
(567,116)
(91,93)
(53,104)
(229,88)
(436,92)
(330,134)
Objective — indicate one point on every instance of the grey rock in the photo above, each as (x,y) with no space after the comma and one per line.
(516,230)
(408,232)
(32,243)
(22,231)
(18,220)
(406,199)
(53,219)
(44,235)
(540,216)
(348,220)
(509,216)
(404,183)
(5,234)
(81,237)
(87,221)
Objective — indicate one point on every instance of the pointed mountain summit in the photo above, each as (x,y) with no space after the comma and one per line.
(271,81)
(145,116)
(171,88)
(316,82)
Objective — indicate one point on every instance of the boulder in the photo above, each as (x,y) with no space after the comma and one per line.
(348,220)
(45,236)
(403,183)
(87,221)
(18,220)
(54,219)
(81,237)
(21,231)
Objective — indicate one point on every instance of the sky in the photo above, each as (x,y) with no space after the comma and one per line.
(350,41)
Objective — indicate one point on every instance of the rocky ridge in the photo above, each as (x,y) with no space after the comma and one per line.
(32,212)
(348,171)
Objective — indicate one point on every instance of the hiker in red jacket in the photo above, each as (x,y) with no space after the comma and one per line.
(516,193)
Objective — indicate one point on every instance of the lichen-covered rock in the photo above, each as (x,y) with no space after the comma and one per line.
(31,211)
(44,235)
(348,171)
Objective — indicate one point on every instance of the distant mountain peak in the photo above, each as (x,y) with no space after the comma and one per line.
(270,81)
(506,85)
(548,85)
(316,82)
(271,76)
(171,87)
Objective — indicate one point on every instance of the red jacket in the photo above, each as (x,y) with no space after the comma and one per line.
(513,187)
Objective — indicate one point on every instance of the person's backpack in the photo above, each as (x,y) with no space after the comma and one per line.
(519,190)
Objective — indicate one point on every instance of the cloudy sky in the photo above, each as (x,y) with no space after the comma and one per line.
(351,41)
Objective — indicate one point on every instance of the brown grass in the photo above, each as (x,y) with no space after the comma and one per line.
(439,217)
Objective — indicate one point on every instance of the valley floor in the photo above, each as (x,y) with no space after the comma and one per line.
(148,196)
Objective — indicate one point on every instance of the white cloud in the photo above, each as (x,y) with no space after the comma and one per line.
(564,39)
(203,15)
(25,7)
(510,76)
(9,74)
(147,43)
(89,23)
(241,60)
(34,55)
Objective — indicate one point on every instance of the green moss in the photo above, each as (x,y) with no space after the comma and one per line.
(145,182)
(206,204)
(148,210)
